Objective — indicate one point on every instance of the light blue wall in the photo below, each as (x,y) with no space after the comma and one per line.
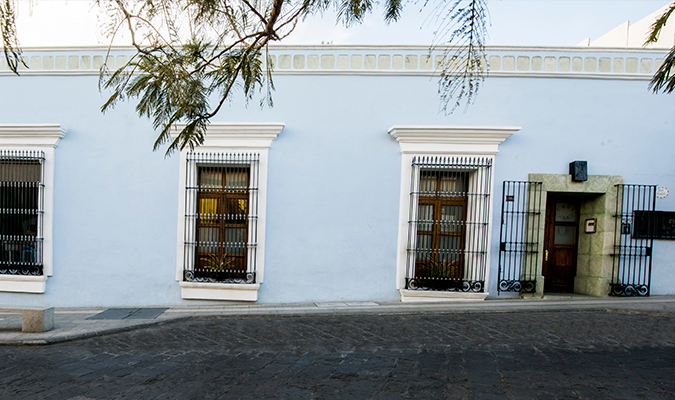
(115,200)
(334,176)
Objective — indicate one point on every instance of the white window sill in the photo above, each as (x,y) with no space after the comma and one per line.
(22,283)
(429,296)
(219,291)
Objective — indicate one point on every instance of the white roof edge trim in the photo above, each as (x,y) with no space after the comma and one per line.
(573,49)
(452,134)
(42,135)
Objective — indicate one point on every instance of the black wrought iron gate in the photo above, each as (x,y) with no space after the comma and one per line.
(519,236)
(632,264)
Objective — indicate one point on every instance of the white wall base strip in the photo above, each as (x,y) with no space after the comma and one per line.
(429,296)
(219,291)
(22,283)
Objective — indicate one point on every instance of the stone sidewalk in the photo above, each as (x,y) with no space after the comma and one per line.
(79,323)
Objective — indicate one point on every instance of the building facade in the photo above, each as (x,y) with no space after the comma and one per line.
(353,187)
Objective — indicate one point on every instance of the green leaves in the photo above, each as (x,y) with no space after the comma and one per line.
(462,26)
(392,10)
(176,86)
(353,11)
(192,56)
(10,42)
(663,80)
(660,22)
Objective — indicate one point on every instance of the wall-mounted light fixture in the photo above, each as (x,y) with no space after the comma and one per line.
(579,171)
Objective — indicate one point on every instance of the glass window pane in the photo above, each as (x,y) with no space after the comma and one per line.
(427,185)
(451,218)
(423,247)
(235,240)
(565,212)
(208,240)
(237,209)
(208,210)
(452,184)
(18,215)
(211,179)
(236,179)
(449,248)
(425,217)
(565,235)
(19,171)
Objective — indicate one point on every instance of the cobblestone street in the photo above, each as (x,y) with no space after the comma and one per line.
(524,355)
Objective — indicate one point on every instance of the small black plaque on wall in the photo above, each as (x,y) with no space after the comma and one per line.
(579,171)
(654,225)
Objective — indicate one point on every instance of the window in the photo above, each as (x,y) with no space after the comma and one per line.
(26,205)
(449,224)
(445,210)
(21,212)
(221,234)
(441,231)
(222,209)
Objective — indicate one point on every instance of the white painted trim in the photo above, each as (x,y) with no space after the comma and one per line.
(31,135)
(496,74)
(44,137)
(258,135)
(275,47)
(355,72)
(426,296)
(22,283)
(219,291)
(442,140)
(231,138)
(431,140)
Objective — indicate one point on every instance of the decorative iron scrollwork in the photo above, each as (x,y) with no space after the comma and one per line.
(444,285)
(21,270)
(618,289)
(206,276)
(189,275)
(517,286)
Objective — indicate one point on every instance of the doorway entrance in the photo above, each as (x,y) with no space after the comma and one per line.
(561,243)
(544,245)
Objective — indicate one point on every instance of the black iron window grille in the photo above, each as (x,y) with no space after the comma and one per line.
(221,218)
(449,223)
(519,236)
(632,264)
(21,212)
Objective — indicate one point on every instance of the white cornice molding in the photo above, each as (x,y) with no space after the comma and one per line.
(238,134)
(452,134)
(421,139)
(39,135)
(333,47)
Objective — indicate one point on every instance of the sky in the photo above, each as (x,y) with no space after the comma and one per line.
(512,23)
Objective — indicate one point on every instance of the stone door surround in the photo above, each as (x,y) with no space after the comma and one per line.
(594,257)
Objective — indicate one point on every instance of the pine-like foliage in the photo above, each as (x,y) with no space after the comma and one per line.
(193,56)
(461,30)
(664,78)
(10,43)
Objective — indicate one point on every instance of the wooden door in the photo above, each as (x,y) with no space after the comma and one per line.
(560,244)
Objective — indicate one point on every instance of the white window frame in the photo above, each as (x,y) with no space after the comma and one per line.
(432,140)
(223,137)
(45,138)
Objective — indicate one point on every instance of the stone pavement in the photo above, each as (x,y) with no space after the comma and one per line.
(563,348)
(79,323)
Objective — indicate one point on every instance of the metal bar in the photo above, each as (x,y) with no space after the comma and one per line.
(519,235)
(631,274)
(451,254)
(221,217)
